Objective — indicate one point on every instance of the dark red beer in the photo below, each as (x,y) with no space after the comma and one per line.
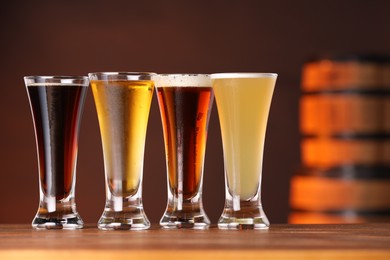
(56,113)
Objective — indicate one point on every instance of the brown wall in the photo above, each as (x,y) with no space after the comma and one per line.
(77,37)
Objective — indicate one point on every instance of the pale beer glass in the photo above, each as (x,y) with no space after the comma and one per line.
(243,101)
(185,102)
(56,104)
(123,101)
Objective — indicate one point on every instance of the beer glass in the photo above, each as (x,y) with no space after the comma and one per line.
(123,102)
(185,103)
(56,104)
(243,102)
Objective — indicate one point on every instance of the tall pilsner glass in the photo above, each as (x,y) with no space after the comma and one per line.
(243,102)
(56,105)
(123,102)
(185,103)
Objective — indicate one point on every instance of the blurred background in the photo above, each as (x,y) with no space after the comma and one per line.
(77,37)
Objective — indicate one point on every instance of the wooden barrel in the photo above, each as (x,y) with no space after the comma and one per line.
(346,72)
(345,144)
(345,194)
(347,113)
(326,152)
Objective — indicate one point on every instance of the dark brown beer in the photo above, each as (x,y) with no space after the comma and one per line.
(56,113)
(185,113)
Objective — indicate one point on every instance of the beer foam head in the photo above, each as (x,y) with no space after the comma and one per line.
(242,75)
(182,80)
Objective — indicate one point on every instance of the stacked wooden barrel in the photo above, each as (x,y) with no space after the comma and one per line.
(345,144)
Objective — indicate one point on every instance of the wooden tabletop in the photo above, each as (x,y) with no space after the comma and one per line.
(352,241)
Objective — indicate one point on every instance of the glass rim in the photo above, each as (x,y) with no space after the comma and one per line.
(120,75)
(56,77)
(242,75)
(56,80)
(182,80)
(182,74)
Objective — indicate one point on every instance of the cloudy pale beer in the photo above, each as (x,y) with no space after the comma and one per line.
(243,102)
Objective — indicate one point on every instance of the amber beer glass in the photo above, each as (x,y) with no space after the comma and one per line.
(243,102)
(56,104)
(123,102)
(185,103)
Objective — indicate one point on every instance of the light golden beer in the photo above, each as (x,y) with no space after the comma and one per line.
(123,112)
(123,102)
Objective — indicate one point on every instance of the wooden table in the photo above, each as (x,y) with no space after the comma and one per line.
(352,241)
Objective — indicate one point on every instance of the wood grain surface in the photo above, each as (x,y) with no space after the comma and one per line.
(357,241)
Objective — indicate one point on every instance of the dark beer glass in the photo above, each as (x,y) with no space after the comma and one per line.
(56,104)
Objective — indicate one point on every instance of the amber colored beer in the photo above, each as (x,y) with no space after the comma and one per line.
(185,102)
(185,115)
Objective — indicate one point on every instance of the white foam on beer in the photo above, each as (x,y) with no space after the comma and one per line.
(182,80)
(242,75)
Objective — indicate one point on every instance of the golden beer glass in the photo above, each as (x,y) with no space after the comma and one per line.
(123,102)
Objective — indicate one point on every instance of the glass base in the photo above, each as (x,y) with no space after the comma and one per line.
(243,223)
(248,216)
(191,215)
(124,220)
(71,221)
(188,221)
